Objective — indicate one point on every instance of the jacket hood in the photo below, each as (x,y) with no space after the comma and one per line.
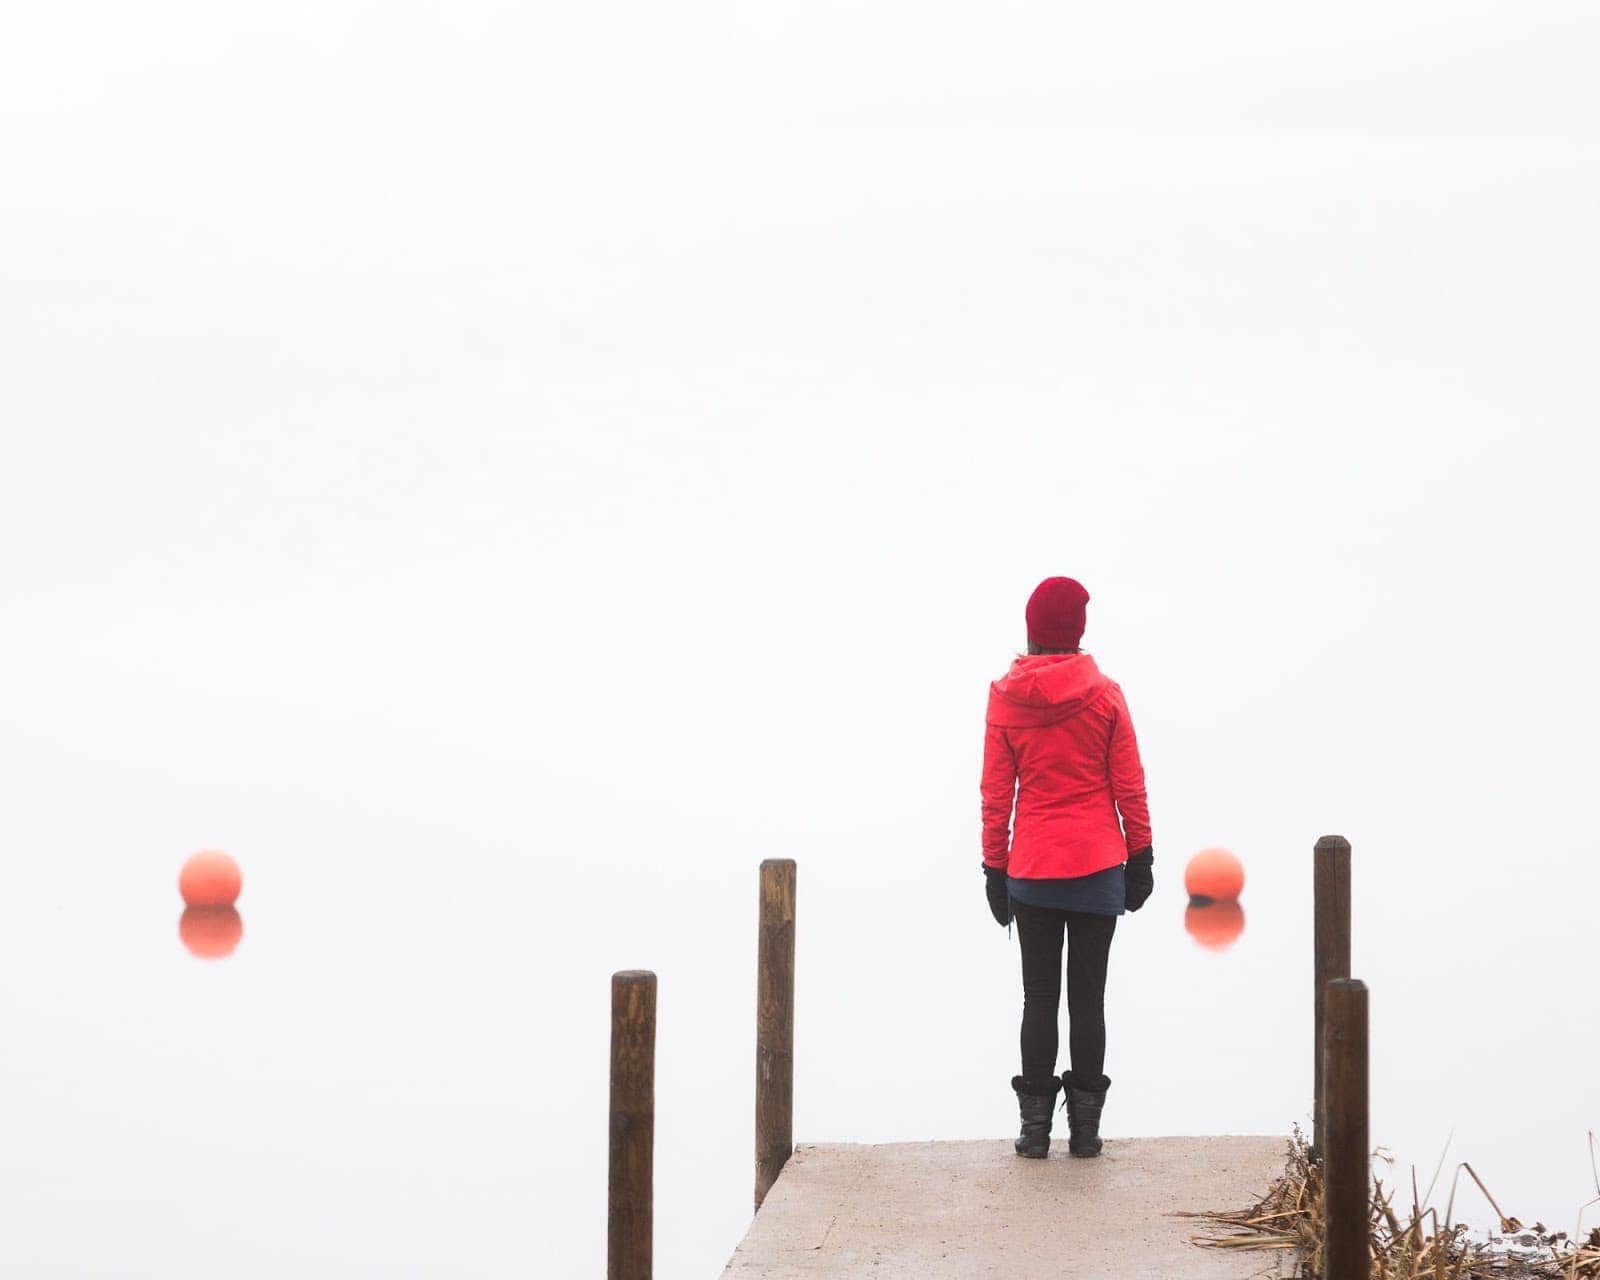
(1043,688)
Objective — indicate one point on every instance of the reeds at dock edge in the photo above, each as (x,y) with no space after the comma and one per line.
(1290,1217)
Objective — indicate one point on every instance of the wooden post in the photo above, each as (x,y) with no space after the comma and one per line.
(1331,948)
(633,1125)
(775,1024)
(1346,1167)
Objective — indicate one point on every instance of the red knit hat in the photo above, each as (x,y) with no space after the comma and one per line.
(1055,613)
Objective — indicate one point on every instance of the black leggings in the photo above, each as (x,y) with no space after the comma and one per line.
(1088,939)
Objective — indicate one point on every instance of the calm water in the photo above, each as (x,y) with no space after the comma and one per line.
(401,1069)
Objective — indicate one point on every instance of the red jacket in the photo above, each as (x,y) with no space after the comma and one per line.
(1058,733)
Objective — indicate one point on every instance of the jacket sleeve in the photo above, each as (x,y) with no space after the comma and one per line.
(1127,778)
(999,790)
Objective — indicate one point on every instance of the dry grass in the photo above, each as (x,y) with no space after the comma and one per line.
(1417,1247)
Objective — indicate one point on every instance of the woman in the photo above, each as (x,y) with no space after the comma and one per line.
(1058,735)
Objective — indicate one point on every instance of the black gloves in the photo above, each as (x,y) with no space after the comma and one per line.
(994,887)
(1141,879)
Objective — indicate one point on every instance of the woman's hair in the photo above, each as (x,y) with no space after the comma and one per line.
(1039,648)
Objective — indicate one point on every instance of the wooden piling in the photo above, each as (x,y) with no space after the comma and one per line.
(630,1217)
(1331,952)
(1346,1166)
(774,1024)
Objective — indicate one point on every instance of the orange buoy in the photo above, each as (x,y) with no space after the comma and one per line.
(210,932)
(1215,927)
(1213,875)
(210,879)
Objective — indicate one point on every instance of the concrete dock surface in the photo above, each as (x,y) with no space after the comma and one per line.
(929,1210)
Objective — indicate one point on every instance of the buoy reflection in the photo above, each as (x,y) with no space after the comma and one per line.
(210,932)
(1216,925)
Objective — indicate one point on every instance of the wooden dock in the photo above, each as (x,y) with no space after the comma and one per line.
(974,1209)
(970,1209)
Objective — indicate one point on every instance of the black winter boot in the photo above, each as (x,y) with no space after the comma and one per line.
(1083,1115)
(1037,1111)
